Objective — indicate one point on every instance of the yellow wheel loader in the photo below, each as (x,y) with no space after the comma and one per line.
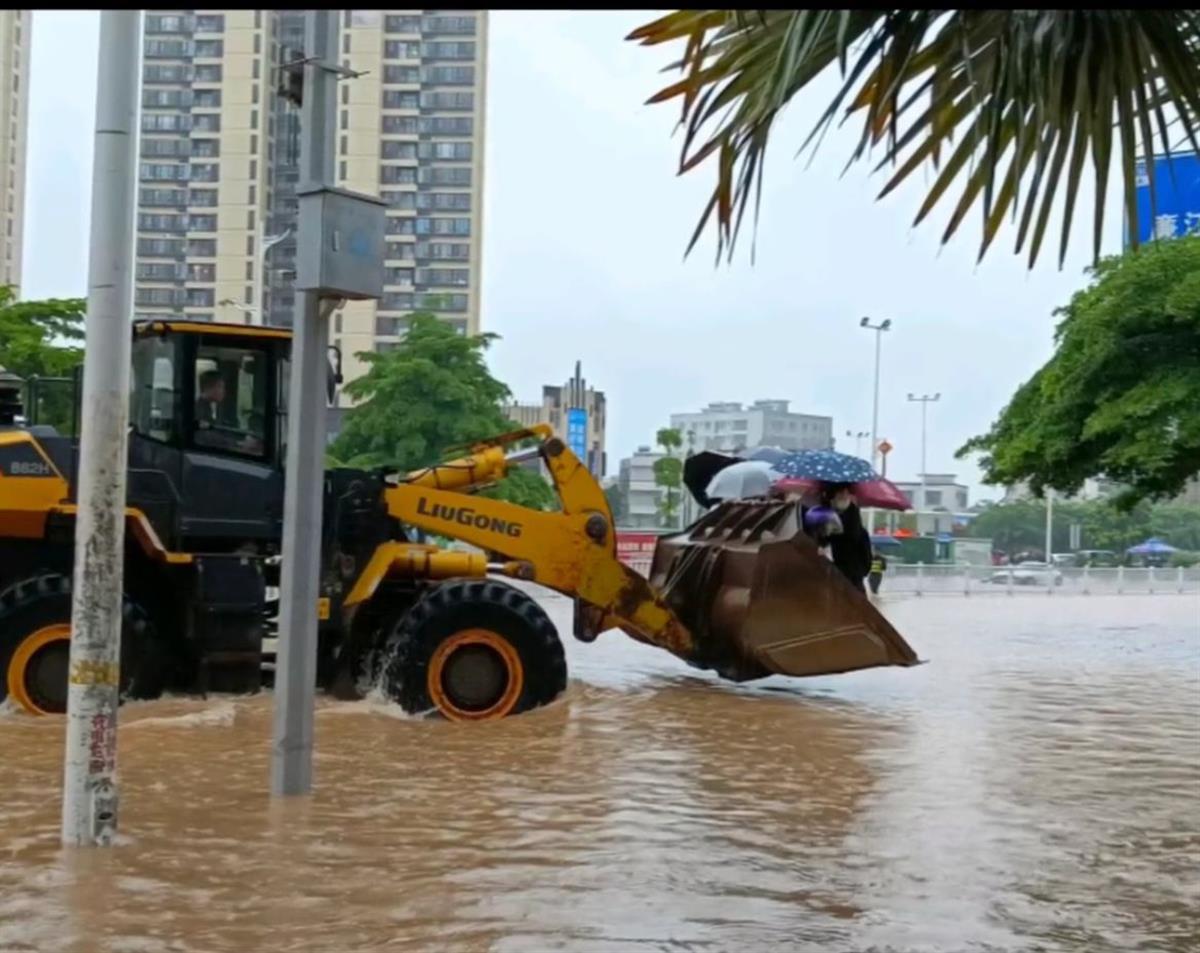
(742,592)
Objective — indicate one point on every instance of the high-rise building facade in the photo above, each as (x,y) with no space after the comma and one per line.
(577,413)
(206,89)
(220,149)
(15,27)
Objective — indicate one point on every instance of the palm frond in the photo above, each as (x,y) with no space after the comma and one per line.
(1019,99)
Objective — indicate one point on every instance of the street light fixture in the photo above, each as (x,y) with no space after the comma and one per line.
(269,242)
(924,400)
(884,325)
(248,310)
(858,439)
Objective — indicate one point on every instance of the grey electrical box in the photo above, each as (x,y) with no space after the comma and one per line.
(339,244)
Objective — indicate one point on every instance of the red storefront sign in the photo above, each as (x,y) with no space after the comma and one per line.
(636,549)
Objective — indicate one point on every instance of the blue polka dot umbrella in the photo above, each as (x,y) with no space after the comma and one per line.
(828,466)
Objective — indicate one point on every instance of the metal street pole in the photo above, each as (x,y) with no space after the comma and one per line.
(299,586)
(89,809)
(1049,523)
(924,400)
(878,329)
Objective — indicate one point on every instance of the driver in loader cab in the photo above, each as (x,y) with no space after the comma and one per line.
(216,423)
(210,398)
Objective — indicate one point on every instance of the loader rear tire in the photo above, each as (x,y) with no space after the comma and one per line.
(35,633)
(474,650)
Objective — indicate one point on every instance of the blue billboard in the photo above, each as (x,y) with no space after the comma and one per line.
(577,432)
(1177,191)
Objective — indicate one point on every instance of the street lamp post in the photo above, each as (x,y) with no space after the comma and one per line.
(250,311)
(924,400)
(269,242)
(884,325)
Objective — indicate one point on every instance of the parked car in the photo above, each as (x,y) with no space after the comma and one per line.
(1105,558)
(1028,573)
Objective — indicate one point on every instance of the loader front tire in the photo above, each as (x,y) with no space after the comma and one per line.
(35,635)
(474,650)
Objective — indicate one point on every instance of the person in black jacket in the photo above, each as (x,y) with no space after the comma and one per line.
(850,549)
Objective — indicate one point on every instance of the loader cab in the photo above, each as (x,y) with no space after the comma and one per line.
(208,413)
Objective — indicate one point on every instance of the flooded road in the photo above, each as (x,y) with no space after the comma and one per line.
(1036,786)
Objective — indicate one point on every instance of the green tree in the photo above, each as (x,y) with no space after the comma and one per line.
(432,392)
(955,94)
(1119,397)
(38,339)
(525,488)
(668,473)
(1012,527)
(616,504)
(1020,526)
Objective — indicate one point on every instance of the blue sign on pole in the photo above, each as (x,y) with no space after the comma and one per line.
(577,432)
(1177,191)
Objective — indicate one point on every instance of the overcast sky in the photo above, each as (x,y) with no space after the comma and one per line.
(585,225)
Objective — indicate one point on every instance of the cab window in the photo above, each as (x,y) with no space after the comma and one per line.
(153,402)
(231,400)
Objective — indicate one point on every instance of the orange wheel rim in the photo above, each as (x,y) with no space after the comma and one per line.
(509,658)
(18,665)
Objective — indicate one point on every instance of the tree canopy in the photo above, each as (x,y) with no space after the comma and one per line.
(668,473)
(1120,398)
(38,339)
(1020,106)
(1014,527)
(431,392)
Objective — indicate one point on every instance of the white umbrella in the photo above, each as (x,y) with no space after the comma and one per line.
(743,480)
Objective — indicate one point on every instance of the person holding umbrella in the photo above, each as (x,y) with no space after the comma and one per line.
(851,548)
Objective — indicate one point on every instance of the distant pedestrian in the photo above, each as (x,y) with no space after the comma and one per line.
(878,568)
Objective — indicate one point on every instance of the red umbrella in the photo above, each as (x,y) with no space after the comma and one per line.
(882,493)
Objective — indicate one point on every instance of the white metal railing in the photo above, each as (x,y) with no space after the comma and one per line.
(1017,580)
(924,580)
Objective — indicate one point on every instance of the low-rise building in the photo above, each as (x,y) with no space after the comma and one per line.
(939,502)
(642,495)
(1093,490)
(730,427)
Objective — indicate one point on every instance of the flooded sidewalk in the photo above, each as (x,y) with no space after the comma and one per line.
(1036,786)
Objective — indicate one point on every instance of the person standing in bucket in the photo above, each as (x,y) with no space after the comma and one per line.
(878,568)
(851,549)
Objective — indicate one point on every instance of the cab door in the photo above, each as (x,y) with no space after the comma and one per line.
(232,485)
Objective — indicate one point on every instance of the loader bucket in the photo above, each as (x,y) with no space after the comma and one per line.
(759,599)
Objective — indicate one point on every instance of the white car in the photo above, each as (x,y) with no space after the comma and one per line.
(1027,573)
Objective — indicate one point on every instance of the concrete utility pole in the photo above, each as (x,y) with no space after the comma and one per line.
(924,400)
(339,255)
(89,811)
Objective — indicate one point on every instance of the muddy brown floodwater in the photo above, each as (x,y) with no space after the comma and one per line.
(1036,786)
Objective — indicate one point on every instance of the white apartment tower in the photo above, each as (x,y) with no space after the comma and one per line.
(15,27)
(217,201)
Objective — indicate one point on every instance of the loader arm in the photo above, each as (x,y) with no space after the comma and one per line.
(572,551)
